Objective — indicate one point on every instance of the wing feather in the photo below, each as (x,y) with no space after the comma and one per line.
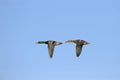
(51,50)
(78,50)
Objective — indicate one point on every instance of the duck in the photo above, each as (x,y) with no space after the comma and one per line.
(51,45)
(79,44)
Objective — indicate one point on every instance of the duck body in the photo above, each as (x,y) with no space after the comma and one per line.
(79,45)
(51,45)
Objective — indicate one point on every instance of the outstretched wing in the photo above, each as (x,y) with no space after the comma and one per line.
(51,50)
(78,50)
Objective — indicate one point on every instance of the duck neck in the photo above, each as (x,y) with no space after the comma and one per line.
(41,42)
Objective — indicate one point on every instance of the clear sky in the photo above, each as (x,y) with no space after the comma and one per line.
(24,22)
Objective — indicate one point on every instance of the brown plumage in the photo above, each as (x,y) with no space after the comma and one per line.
(51,44)
(79,45)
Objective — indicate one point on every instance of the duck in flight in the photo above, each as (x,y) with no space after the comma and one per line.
(79,45)
(51,44)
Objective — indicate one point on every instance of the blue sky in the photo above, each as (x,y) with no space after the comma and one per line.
(24,22)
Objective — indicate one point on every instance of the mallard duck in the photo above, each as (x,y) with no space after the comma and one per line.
(79,45)
(51,44)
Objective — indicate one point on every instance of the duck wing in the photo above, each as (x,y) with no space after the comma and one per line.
(51,50)
(78,50)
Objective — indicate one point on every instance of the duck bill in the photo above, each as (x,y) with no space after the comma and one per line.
(36,43)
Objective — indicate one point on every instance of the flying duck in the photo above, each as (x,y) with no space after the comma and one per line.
(51,44)
(79,45)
